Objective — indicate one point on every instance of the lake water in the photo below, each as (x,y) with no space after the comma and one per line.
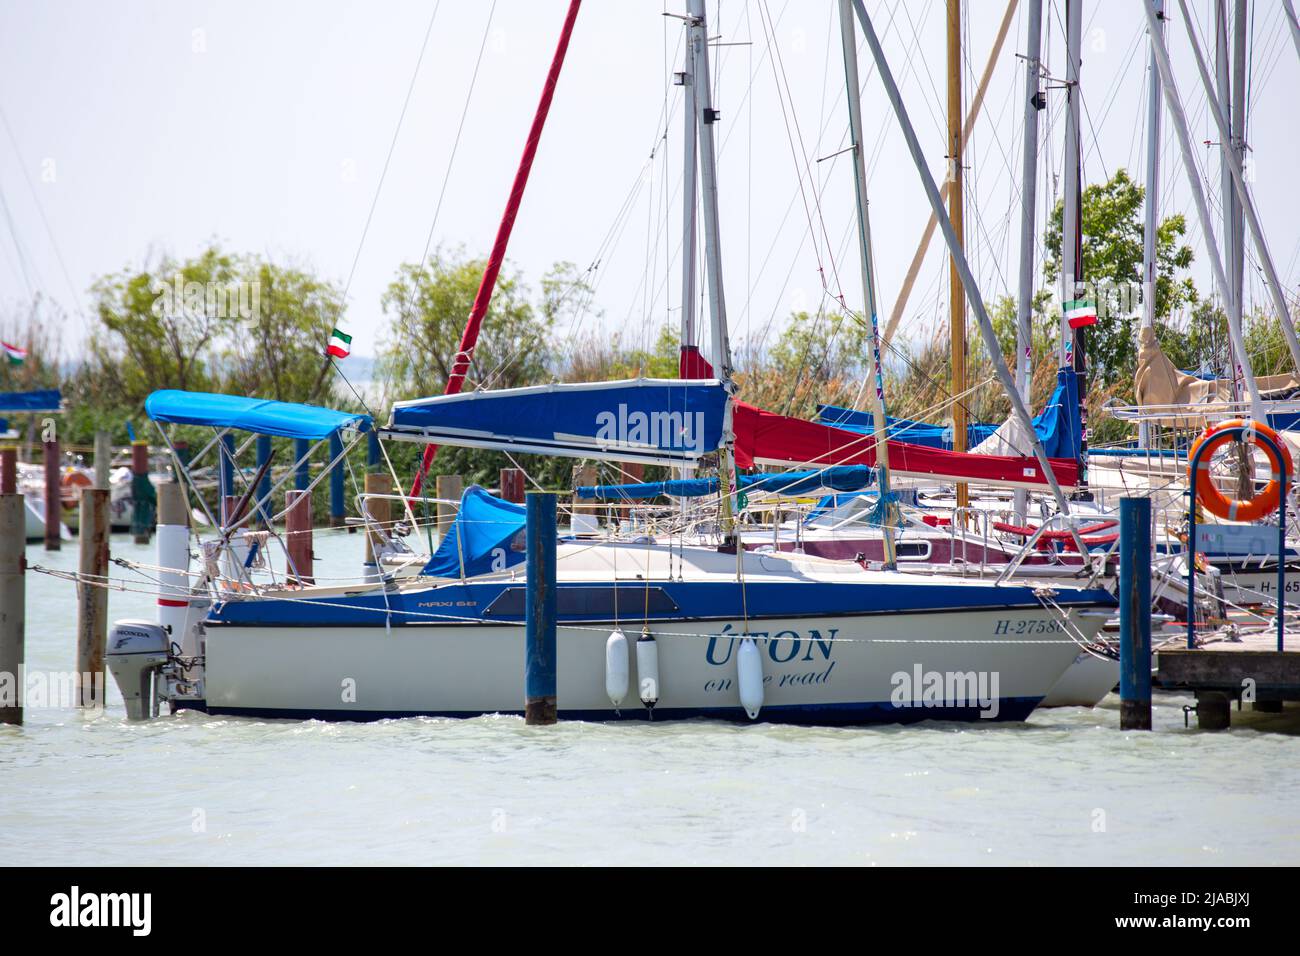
(1067,787)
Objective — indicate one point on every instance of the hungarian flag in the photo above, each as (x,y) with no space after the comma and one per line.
(340,344)
(1081,312)
(13,354)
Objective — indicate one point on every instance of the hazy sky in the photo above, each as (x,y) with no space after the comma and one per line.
(137,127)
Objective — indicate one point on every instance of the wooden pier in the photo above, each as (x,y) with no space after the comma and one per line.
(1248,670)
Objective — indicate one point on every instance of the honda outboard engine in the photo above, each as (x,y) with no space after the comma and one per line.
(137,652)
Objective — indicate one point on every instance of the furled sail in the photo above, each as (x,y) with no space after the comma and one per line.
(838,478)
(656,421)
(765,438)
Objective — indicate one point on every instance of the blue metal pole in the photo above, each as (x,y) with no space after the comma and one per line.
(539,618)
(374,455)
(263,456)
(1281,551)
(303,476)
(338,507)
(1192,470)
(1135,613)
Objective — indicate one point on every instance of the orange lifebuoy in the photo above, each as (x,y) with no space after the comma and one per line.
(1215,501)
(71,485)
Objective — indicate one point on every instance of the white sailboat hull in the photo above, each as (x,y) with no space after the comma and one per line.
(991,664)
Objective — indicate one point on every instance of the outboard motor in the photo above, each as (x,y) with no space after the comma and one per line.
(137,652)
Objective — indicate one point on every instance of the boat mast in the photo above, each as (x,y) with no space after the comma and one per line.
(848,39)
(1271,280)
(690,194)
(1018,409)
(1173,102)
(706,118)
(1232,305)
(469,337)
(956,297)
(1074,341)
(1293,23)
(1151,205)
(1028,210)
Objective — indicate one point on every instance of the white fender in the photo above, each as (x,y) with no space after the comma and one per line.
(749,672)
(647,669)
(616,667)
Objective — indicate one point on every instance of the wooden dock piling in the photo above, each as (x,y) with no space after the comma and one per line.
(53,496)
(103,459)
(298,535)
(512,485)
(585,518)
(540,613)
(13,603)
(1135,613)
(380,511)
(8,469)
(92,596)
(447,488)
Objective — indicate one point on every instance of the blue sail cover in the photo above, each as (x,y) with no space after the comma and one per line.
(265,417)
(658,421)
(901,429)
(41,400)
(838,478)
(1057,426)
(480,540)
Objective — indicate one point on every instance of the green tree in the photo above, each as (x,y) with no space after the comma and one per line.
(217,321)
(279,351)
(427,307)
(1113,230)
(158,325)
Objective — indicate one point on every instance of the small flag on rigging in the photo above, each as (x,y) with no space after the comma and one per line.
(1081,312)
(13,354)
(340,344)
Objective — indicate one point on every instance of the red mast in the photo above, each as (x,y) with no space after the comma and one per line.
(469,338)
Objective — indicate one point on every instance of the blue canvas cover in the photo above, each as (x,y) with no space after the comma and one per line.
(1058,425)
(480,540)
(839,478)
(263,416)
(901,429)
(41,400)
(663,421)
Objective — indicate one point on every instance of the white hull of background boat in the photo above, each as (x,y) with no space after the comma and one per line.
(1087,680)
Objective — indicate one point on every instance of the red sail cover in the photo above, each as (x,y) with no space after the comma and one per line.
(765,438)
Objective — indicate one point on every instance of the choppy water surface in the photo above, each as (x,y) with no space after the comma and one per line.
(1067,787)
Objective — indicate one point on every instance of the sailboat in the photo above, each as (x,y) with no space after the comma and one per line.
(699,631)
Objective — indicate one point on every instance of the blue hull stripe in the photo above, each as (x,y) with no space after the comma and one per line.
(675,601)
(815,715)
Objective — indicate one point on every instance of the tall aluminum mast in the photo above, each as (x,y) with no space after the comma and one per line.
(707,118)
(1151,204)
(848,39)
(1028,211)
